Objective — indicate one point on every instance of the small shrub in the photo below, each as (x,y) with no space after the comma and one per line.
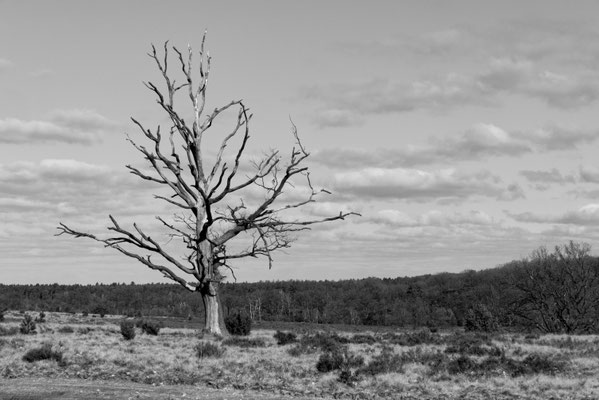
(84,314)
(422,356)
(348,377)
(44,352)
(461,365)
(66,329)
(298,350)
(41,318)
(150,328)
(244,342)
(8,331)
(238,324)
(326,342)
(329,361)
(27,326)
(1,316)
(127,329)
(84,330)
(284,338)
(423,336)
(363,339)
(532,336)
(338,360)
(208,349)
(472,344)
(536,364)
(387,361)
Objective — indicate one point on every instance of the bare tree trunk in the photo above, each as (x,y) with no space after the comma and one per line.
(214,321)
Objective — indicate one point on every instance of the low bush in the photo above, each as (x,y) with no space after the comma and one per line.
(84,330)
(362,339)
(150,328)
(44,352)
(423,336)
(385,362)
(323,341)
(462,365)
(8,330)
(422,356)
(244,342)
(284,338)
(66,329)
(41,318)
(472,344)
(348,377)
(27,326)
(320,341)
(338,360)
(238,324)
(127,329)
(500,365)
(208,349)
(298,350)
(532,336)
(1,316)
(329,361)
(536,364)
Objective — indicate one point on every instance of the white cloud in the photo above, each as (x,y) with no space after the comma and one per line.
(337,118)
(66,126)
(550,61)
(401,183)
(589,174)
(587,215)
(5,64)
(478,142)
(70,186)
(542,180)
(396,218)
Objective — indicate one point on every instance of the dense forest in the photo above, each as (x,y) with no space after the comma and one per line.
(550,291)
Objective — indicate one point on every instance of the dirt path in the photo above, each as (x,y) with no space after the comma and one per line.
(78,389)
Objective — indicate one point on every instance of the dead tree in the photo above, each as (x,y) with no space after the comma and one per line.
(207,190)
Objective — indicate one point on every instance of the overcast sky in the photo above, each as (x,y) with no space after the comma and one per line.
(464,132)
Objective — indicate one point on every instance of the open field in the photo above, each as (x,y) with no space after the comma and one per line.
(335,364)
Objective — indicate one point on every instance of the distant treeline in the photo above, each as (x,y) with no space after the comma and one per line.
(441,299)
(552,292)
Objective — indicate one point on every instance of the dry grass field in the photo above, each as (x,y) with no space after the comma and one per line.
(333,364)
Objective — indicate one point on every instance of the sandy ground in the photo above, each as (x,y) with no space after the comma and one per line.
(78,389)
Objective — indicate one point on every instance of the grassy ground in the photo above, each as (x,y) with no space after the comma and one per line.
(364,365)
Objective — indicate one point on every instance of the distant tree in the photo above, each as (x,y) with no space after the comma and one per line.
(479,318)
(206,190)
(559,291)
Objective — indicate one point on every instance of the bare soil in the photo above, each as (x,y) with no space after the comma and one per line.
(79,389)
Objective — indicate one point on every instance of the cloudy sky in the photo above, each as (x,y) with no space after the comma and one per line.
(464,132)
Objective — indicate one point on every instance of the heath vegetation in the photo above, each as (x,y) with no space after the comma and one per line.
(340,363)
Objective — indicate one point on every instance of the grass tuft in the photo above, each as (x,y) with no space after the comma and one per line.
(208,350)
(244,342)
